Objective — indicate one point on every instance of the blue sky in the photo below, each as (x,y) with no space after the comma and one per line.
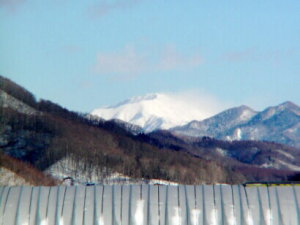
(86,54)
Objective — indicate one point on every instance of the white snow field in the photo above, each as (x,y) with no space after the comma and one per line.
(155,111)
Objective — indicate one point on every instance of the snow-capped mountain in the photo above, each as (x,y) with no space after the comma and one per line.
(163,111)
(279,124)
(153,111)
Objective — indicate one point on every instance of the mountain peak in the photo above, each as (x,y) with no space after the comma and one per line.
(217,124)
(245,107)
(289,105)
(147,97)
(137,99)
(154,111)
(242,112)
(274,110)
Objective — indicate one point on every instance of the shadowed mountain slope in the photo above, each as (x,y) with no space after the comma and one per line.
(45,133)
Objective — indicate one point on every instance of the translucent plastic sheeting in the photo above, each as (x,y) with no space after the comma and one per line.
(150,205)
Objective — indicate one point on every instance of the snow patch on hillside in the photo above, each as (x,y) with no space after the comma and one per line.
(286,154)
(237,134)
(8,101)
(69,168)
(9,178)
(288,165)
(221,151)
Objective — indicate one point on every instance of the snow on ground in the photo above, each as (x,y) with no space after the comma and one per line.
(9,178)
(161,182)
(10,102)
(286,154)
(280,164)
(69,168)
(80,174)
(221,151)
(288,165)
(238,134)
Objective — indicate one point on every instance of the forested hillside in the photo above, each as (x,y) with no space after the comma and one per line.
(46,133)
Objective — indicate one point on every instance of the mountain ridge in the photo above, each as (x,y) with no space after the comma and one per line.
(95,149)
(279,123)
(152,111)
(156,111)
(214,125)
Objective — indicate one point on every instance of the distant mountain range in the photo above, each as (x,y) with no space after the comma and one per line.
(38,138)
(159,111)
(278,124)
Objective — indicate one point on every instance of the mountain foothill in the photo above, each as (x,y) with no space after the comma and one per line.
(43,142)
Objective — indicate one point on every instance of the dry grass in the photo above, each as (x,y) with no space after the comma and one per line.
(30,174)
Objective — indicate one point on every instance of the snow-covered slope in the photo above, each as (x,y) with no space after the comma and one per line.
(218,124)
(9,178)
(74,169)
(154,111)
(8,101)
(278,123)
(163,111)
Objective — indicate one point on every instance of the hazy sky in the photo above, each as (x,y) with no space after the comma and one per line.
(86,54)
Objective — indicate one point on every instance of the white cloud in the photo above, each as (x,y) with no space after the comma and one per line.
(171,59)
(163,110)
(130,62)
(250,54)
(11,5)
(125,62)
(104,7)
(256,55)
(207,103)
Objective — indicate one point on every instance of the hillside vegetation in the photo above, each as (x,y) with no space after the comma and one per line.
(25,171)
(54,133)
